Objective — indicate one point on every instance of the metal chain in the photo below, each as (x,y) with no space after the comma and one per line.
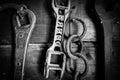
(75,57)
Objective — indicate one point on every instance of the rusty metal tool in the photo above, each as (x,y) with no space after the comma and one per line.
(57,64)
(23,33)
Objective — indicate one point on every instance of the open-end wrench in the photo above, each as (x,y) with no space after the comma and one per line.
(61,14)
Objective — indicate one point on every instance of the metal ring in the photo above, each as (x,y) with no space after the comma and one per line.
(84,27)
(78,76)
(82,22)
(70,54)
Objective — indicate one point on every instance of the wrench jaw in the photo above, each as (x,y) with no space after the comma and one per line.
(24,12)
(64,5)
(21,11)
(56,7)
(55,61)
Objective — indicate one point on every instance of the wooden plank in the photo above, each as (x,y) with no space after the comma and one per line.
(116,32)
(6,62)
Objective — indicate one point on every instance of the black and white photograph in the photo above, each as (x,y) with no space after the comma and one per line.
(59,39)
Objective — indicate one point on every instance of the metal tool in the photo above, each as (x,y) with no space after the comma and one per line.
(22,37)
(61,14)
